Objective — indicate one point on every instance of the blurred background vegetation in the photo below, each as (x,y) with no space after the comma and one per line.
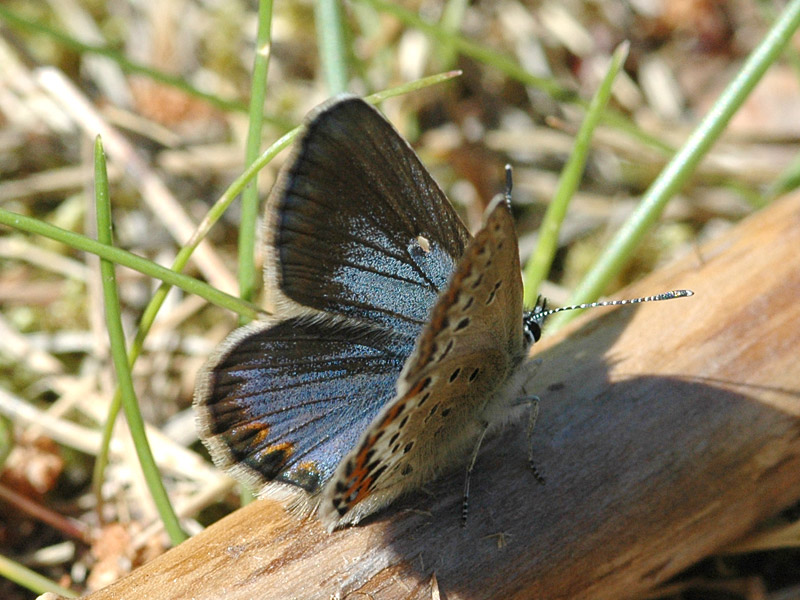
(170,86)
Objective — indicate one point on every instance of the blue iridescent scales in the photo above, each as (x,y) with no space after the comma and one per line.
(397,338)
(280,400)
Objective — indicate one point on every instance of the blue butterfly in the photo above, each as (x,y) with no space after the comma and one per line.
(397,337)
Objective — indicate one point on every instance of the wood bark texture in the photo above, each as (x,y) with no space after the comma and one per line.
(666,431)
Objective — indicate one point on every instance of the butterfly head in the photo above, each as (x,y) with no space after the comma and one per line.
(533,320)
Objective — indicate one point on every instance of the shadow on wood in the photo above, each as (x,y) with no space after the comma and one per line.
(666,431)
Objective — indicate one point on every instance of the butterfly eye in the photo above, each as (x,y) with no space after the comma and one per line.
(531,328)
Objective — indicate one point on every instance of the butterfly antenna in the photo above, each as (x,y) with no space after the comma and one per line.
(656,298)
(509,182)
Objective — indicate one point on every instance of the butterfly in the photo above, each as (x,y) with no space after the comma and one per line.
(397,338)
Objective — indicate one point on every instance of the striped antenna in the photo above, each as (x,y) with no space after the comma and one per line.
(656,298)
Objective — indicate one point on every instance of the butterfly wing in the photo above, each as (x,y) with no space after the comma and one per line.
(356,226)
(464,359)
(284,400)
(359,242)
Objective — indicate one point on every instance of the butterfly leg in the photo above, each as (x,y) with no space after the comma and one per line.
(533,415)
(473,458)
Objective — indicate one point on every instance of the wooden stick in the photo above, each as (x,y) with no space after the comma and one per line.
(665,432)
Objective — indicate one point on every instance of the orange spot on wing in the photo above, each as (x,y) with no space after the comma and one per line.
(261,435)
(254,433)
(309,466)
(285,447)
(359,483)
(390,416)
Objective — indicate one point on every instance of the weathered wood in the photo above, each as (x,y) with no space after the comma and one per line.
(665,432)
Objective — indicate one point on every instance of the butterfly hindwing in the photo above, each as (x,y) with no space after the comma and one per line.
(356,226)
(285,400)
(462,360)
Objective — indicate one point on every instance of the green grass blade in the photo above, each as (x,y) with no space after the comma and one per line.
(412,86)
(127,259)
(31,580)
(452,17)
(120,357)
(538,267)
(331,44)
(787,181)
(258,91)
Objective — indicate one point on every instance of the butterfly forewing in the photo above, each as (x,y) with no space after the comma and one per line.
(357,227)
(483,300)
(286,400)
(462,359)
